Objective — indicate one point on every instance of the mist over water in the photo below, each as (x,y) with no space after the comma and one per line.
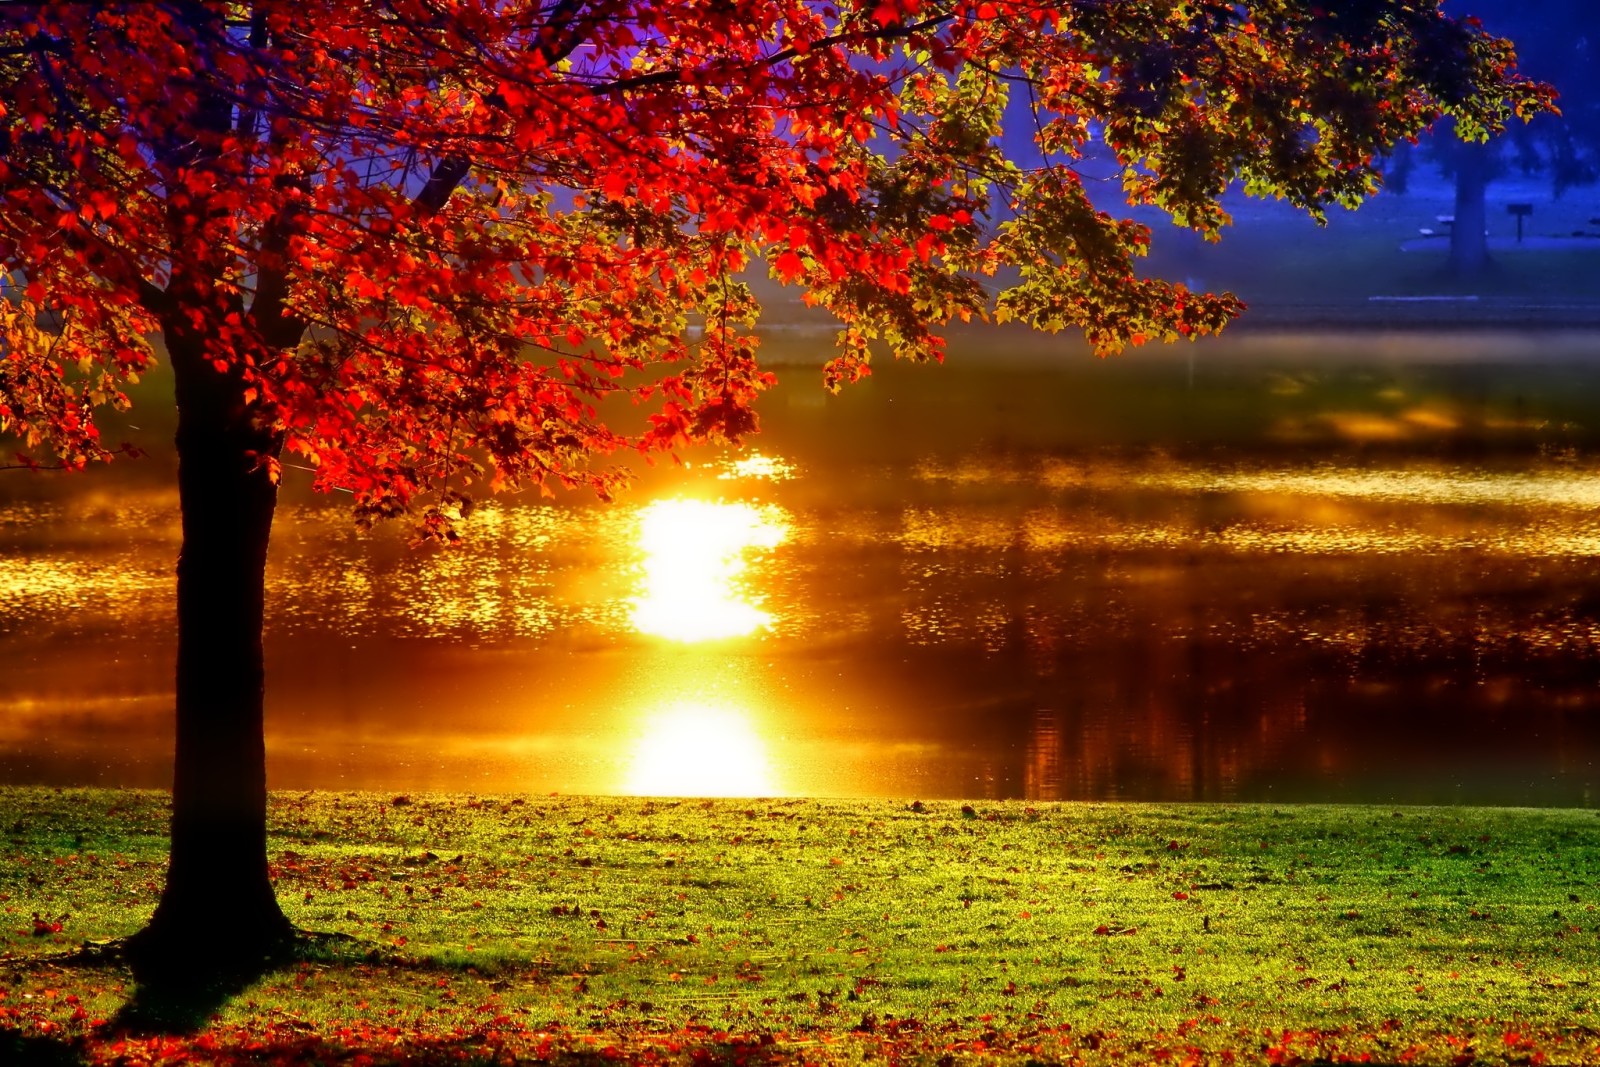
(1301,569)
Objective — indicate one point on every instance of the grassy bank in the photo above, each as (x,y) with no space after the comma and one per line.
(799,930)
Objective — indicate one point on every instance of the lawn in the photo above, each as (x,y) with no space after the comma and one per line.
(576,929)
(1284,265)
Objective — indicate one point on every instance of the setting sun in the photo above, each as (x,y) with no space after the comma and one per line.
(694,554)
(701,750)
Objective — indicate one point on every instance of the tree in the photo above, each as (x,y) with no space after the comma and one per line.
(1553,41)
(1469,235)
(418,242)
(1557,41)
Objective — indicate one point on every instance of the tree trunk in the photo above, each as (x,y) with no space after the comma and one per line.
(218,908)
(1469,247)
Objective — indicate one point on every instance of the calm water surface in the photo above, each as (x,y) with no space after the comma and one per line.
(1302,572)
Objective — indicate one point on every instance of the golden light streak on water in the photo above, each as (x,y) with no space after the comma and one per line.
(56,586)
(1450,486)
(695,553)
(758,466)
(1365,426)
(1431,420)
(695,749)
(1561,488)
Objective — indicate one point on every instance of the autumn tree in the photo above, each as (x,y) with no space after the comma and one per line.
(415,244)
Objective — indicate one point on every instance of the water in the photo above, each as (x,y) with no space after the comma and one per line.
(1349,570)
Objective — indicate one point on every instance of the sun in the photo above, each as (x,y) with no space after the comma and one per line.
(693,749)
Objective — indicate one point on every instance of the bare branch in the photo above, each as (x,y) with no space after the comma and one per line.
(104,454)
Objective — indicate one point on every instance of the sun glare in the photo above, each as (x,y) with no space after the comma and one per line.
(758,466)
(690,749)
(694,557)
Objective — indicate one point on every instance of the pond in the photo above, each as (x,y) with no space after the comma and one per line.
(1356,568)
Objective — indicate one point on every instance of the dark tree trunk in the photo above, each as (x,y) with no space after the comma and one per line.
(1469,247)
(217,913)
(218,908)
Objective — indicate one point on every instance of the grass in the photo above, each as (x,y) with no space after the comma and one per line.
(831,931)
(1281,262)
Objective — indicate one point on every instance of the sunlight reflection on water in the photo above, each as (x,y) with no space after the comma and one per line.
(1445,485)
(758,466)
(695,554)
(1056,625)
(532,571)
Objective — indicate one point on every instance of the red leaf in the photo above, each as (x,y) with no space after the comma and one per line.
(789,266)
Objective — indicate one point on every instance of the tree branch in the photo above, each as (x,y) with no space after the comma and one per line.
(672,77)
(555,47)
(269,310)
(102,455)
(450,172)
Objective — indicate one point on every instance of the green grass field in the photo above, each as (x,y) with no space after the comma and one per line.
(498,929)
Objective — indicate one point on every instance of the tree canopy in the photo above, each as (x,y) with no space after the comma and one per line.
(427,237)
(427,245)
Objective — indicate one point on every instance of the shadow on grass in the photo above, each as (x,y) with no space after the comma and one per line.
(475,1050)
(27,1050)
(170,1000)
(177,1007)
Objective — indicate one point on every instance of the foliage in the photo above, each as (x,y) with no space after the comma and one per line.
(803,931)
(1556,41)
(421,242)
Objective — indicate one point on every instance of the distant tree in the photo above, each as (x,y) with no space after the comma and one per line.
(416,242)
(1559,42)
(1473,164)
(1556,41)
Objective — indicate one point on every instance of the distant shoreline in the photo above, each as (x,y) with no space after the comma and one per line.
(1444,313)
(1420,333)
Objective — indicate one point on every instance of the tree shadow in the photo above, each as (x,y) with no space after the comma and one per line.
(29,1050)
(170,996)
(175,1005)
(173,995)
(481,1050)
(177,996)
